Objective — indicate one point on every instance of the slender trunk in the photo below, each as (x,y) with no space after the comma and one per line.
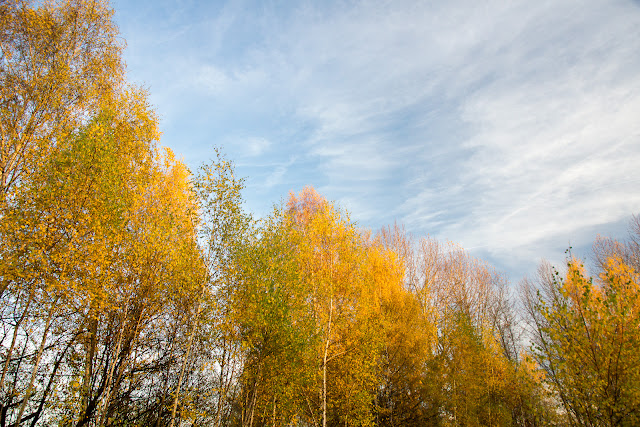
(243,412)
(126,356)
(52,377)
(16,374)
(166,376)
(324,390)
(273,417)
(253,404)
(223,388)
(253,393)
(184,363)
(34,371)
(90,349)
(104,405)
(311,411)
(162,400)
(5,367)
(324,366)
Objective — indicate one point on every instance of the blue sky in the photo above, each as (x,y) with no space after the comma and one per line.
(509,127)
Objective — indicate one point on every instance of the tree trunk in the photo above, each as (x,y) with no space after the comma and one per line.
(34,371)
(104,405)
(324,366)
(186,359)
(184,365)
(5,367)
(90,349)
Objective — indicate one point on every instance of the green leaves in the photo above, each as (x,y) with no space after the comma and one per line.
(588,347)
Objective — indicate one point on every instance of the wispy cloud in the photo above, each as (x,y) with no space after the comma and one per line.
(555,139)
(498,125)
(277,174)
(257,146)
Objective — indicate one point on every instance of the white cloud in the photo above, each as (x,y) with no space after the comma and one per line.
(556,153)
(256,146)
(211,79)
(495,124)
(275,177)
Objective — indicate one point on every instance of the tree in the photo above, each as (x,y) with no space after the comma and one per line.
(336,268)
(465,367)
(99,253)
(214,350)
(587,340)
(58,61)
(100,238)
(276,328)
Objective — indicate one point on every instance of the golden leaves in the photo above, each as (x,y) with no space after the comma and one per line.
(60,61)
(591,336)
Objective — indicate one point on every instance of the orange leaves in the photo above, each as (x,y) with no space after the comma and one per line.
(304,207)
(61,60)
(623,280)
(589,342)
(451,349)
(98,230)
(348,279)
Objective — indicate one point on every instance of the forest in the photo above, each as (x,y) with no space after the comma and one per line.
(135,292)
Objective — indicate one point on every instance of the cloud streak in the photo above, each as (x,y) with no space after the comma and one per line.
(503,125)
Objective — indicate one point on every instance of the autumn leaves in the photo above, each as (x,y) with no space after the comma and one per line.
(133,292)
(587,336)
(96,220)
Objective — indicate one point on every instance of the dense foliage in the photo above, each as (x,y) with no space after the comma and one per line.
(133,292)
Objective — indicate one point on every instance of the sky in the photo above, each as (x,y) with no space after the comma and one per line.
(509,127)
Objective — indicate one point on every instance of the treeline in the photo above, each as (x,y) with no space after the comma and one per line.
(135,293)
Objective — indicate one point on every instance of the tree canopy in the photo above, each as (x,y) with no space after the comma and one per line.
(135,292)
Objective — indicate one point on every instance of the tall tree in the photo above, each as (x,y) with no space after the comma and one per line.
(469,369)
(101,237)
(58,61)
(345,274)
(214,349)
(276,328)
(587,339)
